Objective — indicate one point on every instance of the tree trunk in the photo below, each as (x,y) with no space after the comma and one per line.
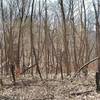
(65,39)
(97,14)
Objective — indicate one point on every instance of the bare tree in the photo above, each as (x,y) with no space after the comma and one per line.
(65,38)
(46,39)
(32,45)
(4,32)
(73,35)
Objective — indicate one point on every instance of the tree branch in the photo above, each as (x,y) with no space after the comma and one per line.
(85,65)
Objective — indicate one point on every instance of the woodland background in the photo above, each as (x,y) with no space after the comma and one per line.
(47,40)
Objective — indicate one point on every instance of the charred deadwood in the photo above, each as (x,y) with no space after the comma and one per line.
(85,65)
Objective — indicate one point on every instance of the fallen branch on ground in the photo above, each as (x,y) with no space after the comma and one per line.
(80,93)
(28,69)
(85,65)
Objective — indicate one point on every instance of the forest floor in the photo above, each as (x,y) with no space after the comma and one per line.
(28,88)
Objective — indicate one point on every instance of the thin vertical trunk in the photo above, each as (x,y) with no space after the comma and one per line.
(97,14)
(23,65)
(1,62)
(61,65)
(31,36)
(21,14)
(32,45)
(39,31)
(4,33)
(46,40)
(86,41)
(74,36)
(65,39)
(39,40)
(12,66)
